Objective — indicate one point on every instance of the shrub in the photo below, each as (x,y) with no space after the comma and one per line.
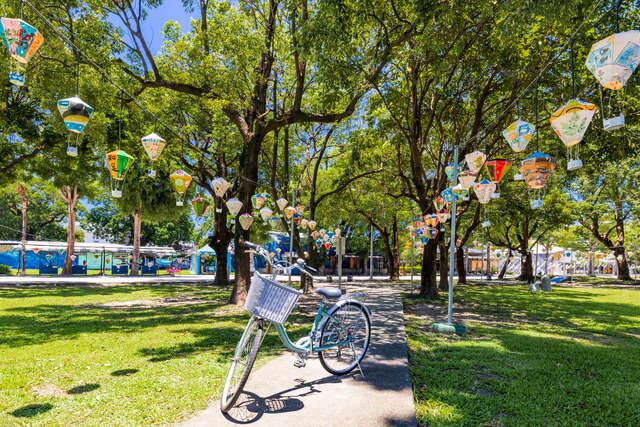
(4,270)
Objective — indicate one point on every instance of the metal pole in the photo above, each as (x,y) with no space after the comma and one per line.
(488,260)
(535,272)
(412,260)
(452,245)
(340,249)
(291,240)
(371,255)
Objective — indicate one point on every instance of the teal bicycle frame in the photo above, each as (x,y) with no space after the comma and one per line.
(305,344)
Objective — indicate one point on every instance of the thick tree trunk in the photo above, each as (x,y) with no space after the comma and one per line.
(219,242)
(461,265)
(428,285)
(70,197)
(622,263)
(137,226)
(388,249)
(23,211)
(526,267)
(444,266)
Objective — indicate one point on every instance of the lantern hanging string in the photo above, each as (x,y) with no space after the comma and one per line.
(535,102)
(573,71)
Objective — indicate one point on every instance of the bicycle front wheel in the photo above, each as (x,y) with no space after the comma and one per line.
(242,363)
(348,330)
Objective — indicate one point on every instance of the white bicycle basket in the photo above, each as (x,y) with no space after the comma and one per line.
(270,300)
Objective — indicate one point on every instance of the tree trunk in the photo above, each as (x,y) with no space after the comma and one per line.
(428,285)
(388,249)
(623,265)
(444,265)
(461,265)
(505,266)
(137,225)
(395,272)
(219,242)
(70,197)
(22,191)
(526,267)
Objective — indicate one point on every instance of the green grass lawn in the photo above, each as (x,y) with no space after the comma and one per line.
(566,358)
(114,366)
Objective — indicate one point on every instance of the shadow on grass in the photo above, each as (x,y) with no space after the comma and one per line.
(84,388)
(32,410)
(124,372)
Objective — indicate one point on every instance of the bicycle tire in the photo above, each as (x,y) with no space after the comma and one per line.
(324,355)
(230,396)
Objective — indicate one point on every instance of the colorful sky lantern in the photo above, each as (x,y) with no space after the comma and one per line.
(447,195)
(570,122)
(22,42)
(297,218)
(257,201)
(153,145)
(304,223)
(460,192)
(289,211)
(475,160)
(275,222)
(449,170)
(497,169)
(484,189)
(300,209)
(181,181)
(282,203)
(220,186)
(234,205)
(518,134)
(246,219)
(200,206)
(75,114)
(118,163)
(431,232)
(439,203)
(612,61)
(536,169)
(327,245)
(319,243)
(431,220)
(443,216)
(312,224)
(265,213)
(467,179)
(315,234)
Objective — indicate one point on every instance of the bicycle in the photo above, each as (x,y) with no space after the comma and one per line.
(340,335)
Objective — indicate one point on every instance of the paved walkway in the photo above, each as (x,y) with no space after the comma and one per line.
(279,394)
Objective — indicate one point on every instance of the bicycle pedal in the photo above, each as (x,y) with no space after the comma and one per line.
(299,362)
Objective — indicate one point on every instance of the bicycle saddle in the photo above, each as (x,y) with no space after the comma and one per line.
(329,292)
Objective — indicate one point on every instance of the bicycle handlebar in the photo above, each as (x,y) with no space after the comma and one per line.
(302,266)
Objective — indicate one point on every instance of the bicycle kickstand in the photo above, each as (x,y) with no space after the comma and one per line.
(300,361)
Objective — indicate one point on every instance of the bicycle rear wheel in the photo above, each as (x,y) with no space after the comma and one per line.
(348,320)
(242,363)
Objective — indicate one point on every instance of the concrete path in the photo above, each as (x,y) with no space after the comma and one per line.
(279,394)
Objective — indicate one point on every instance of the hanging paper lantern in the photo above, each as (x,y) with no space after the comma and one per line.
(449,171)
(275,222)
(36,250)
(447,195)
(300,209)
(297,218)
(289,211)
(304,223)
(312,224)
(327,246)
(315,234)
(613,59)
(257,201)
(200,206)
(497,169)
(282,203)
(460,192)
(536,169)
(323,232)
(153,145)
(22,42)
(246,220)
(181,181)
(265,213)
(118,163)
(467,179)
(319,243)
(234,205)
(484,189)
(475,160)
(329,234)
(75,114)
(424,240)
(220,186)
(518,134)
(431,220)
(570,123)
(439,203)
(443,216)
(431,233)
